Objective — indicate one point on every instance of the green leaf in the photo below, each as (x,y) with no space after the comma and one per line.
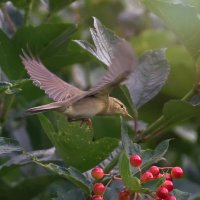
(186,26)
(153,184)
(71,174)
(8,145)
(127,143)
(148,156)
(75,144)
(176,111)
(181,195)
(27,188)
(12,87)
(149,77)
(62,190)
(49,41)
(46,155)
(9,60)
(59,4)
(111,161)
(18,3)
(104,41)
(132,183)
(71,194)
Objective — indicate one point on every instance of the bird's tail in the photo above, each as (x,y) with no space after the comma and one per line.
(43,108)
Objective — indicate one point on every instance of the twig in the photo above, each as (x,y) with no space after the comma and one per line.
(27,12)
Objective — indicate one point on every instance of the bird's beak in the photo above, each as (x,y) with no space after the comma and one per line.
(128,115)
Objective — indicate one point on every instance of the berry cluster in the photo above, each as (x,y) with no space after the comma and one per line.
(154,172)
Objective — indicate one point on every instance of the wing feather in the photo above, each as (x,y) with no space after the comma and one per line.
(53,86)
(122,65)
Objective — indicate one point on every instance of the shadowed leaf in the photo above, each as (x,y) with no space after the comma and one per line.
(104,41)
(149,77)
(8,145)
(181,195)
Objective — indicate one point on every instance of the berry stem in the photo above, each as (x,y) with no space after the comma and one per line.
(140,196)
(164,168)
(139,169)
(135,196)
(117,178)
(136,123)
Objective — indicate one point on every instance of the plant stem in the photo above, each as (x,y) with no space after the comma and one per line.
(28,11)
(135,196)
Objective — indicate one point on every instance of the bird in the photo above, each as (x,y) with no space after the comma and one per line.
(74,103)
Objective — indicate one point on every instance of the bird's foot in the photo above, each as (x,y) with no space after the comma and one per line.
(86,121)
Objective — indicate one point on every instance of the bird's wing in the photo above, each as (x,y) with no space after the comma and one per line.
(56,88)
(122,65)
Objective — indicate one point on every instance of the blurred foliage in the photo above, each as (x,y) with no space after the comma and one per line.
(49,29)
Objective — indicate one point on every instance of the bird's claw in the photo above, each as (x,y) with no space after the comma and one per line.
(86,121)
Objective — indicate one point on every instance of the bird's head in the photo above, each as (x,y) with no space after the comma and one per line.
(117,107)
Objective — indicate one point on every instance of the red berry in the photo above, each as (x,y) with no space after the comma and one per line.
(176,172)
(159,176)
(97,197)
(171,198)
(97,173)
(124,195)
(169,185)
(168,177)
(147,176)
(162,192)
(154,170)
(98,188)
(135,160)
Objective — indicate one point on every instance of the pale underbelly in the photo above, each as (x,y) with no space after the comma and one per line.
(85,108)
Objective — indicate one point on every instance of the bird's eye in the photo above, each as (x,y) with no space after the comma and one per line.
(121,106)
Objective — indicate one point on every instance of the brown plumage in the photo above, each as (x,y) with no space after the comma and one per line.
(75,103)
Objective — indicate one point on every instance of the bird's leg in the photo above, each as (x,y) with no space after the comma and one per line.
(87,121)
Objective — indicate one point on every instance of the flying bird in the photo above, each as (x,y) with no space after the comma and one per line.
(77,104)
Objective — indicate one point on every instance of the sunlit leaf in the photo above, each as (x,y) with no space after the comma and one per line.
(183,18)
(75,145)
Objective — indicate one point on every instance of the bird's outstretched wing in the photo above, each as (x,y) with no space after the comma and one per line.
(122,65)
(56,88)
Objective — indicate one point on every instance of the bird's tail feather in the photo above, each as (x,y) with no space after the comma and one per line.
(43,108)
